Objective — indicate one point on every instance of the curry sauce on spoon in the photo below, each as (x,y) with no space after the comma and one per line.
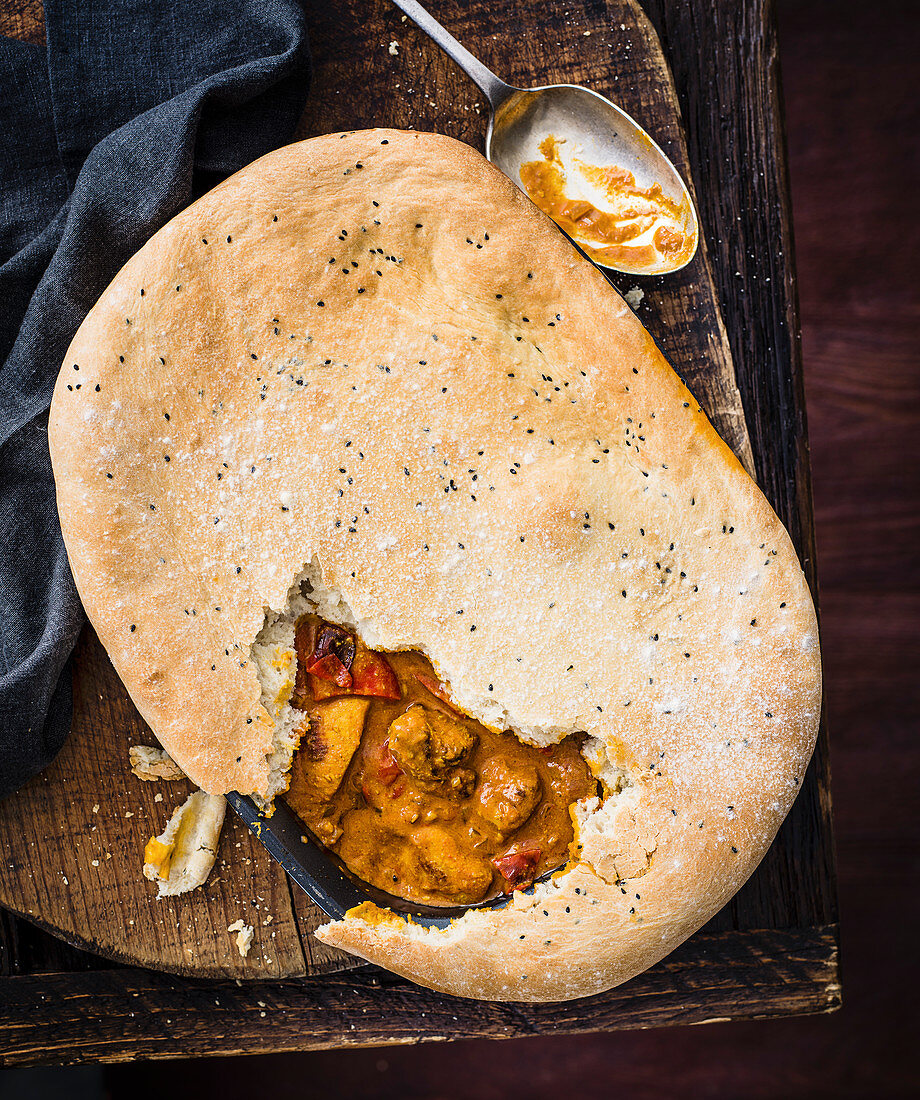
(416,798)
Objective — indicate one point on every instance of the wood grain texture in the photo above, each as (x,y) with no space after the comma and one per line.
(800,883)
(24,21)
(113,1015)
(88,889)
(732,103)
(73,841)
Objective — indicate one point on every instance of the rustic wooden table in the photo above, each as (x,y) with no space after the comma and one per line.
(772,951)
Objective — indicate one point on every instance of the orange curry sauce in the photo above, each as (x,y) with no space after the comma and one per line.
(415,797)
(611,236)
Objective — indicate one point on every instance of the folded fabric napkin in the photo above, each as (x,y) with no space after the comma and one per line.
(133,107)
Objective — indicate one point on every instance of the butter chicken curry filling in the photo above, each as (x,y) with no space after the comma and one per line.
(415,797)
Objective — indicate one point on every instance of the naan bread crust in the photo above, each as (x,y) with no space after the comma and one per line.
(369,351)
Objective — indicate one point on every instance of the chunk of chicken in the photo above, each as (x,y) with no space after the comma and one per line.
(507,794)
(331,742)
(428,745)
(443,867)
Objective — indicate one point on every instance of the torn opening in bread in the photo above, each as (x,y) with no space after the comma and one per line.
(500,816)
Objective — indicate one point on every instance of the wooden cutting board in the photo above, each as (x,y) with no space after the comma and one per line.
(73,838)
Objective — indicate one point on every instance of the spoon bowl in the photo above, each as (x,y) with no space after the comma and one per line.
(583,123)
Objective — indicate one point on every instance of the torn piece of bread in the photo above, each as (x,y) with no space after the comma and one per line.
(244,933)
(181,857)
(150,763)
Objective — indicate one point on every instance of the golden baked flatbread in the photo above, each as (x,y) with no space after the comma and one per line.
(370,357)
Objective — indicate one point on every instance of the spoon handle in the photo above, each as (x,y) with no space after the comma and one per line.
(495,90)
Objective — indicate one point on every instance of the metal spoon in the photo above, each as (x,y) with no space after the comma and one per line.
(600,131)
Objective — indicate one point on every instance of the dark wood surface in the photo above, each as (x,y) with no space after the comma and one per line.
(87,887)
(762,335)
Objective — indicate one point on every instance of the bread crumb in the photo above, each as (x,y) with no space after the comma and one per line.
(150,763)
(634,296)
(158,797)
(393,49)
(244,934)
(268,920)
(95,807)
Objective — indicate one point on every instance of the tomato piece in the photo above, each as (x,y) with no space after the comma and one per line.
(331,662)
(518,869)
(387,767)
(437,690)
(331,669)
(372,675)
(381,770)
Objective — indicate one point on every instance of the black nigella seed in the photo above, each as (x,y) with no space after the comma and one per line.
(133,628)
(229,239)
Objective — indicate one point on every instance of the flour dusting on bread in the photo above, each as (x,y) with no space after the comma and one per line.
(452,413)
